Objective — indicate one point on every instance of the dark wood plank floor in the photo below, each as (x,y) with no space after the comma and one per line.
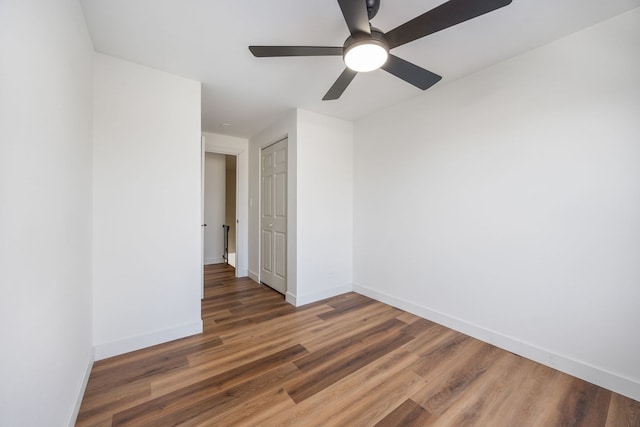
(345,361)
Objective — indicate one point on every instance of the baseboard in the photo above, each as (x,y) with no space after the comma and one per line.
(576,368)
(241,273)
(254,276)
(291,299)
(83,388)
(317,296)
(217,260)
(103,351)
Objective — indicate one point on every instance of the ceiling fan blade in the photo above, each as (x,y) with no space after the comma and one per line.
(410,73)
(444,16)
(272,51)
(355,13)
(340,85)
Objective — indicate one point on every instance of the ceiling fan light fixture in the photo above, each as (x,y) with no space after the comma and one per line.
(365,53)
(367,48)
(365,56)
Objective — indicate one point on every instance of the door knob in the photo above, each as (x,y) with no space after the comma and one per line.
(204,225)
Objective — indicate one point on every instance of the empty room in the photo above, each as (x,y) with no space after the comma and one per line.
(320,213)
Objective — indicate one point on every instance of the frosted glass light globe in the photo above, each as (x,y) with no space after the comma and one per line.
(365,56)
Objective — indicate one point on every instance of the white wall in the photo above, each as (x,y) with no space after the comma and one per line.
(320,204)
(46,60)
(214,207)
(325,206)
(239,147)
(507,204)
(146,206)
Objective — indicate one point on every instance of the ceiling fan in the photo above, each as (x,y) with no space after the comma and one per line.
(367,48)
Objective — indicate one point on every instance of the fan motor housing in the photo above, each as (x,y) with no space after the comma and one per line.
(376,37)
(372,8)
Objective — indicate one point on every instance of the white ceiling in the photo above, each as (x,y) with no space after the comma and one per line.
(207,40)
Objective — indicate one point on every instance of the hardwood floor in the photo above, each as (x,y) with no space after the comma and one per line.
(345,361)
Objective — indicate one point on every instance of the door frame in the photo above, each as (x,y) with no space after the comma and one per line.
(212,148)
(202,223)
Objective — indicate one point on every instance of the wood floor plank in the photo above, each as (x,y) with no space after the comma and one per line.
(329,353)
(346,307)
(250,411)
(444,354)
(302,321)
(319,379)
(585,405)
(145,368)
(418,327)
(188,398)
(407,317)
(481,402)
(349,302)
(381,400)
(408,414)
(528,398)
(149,353)
(345,361)
(196,411)
(623,412)
(204,412)
(336,329)
(430,339)
(439,393)
(111,401)
(224,360)
(320,409)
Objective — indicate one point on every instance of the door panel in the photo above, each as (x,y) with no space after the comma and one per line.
(267,196)
(281,195)
(280,261)
(273,216)
(281,158)
(267,258)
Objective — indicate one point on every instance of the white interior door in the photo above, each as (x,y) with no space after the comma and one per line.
(273,216)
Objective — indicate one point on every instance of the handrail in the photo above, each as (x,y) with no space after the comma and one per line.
(225,255)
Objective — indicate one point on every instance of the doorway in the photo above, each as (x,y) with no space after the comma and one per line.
(220,215)
(273,216)
(230,209)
